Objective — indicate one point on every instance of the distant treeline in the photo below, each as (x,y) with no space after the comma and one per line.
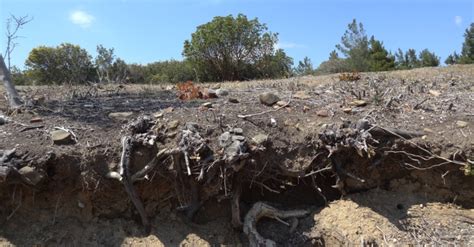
(226,49)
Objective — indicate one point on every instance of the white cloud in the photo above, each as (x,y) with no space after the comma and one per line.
(81,18)
(458,20)
(288,45)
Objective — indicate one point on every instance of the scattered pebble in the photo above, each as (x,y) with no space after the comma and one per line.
(347,110)
(435,93)
(268,99)
(120,115)
(359,103)
(61,137)
(260,139)
(233,100)
(322,113)
(36,120)
(301,95)
(461,124)
(207,105)
(222,92)
(173,124)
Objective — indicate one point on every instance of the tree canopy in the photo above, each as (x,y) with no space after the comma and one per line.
(234,48)
(66,63)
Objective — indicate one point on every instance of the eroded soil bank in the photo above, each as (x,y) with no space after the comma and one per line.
(383,160)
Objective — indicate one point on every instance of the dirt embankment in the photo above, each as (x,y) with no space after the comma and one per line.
(384,160)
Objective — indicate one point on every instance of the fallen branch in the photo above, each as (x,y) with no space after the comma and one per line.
(266,112)
(260,210)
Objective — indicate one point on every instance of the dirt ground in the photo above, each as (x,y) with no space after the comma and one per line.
(360,186)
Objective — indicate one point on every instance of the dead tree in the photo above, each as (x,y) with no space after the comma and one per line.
(14,24)
(14,99)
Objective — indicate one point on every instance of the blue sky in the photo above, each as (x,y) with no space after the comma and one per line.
(143,31)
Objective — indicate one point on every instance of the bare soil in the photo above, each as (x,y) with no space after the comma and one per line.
(361,185)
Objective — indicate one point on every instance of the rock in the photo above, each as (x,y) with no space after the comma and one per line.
(273,122)
(238,138)
(281,103)
(359,103)
(461,124)
(428,130)
(305,108)
(61,137)
(237,131)
(120,115)
(347,110)
(3,120)
(268,99)
(260,139)
(31,174)
(301,95)
(222,92)
(434,93)
(158,114)
(322,113)
(207,105)
(173,124)
(36,120)
(168,109)
(233,100)
(225,139)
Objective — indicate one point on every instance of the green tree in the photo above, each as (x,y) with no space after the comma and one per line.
(411,59)
(66,63)
(277,65)
(110,69)
(304,67)
(467,53)
(355,47)
(334,64)
(379,57)
(401,61)
(428,59)
(227,47)
(452,59)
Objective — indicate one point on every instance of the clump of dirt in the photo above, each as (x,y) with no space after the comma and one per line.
(383,160)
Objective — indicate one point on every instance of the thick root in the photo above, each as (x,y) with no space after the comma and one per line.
(260,210)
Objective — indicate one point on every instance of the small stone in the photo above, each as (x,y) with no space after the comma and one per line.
(273,122)
(238,138)
(305,108)
(3,120)
(36,120)
(347,110)
(222,92)
(207,105)
(260,139)
(281,103)
(158,115)
(168,109)
(268,99)
(88,106)
(237,131)
(61,137)
(31,174)
(233,100)
(301,95)
(322,113)
(173,124)
(434,93)
(120,115)
(428,130)
(461,124)
(359,103)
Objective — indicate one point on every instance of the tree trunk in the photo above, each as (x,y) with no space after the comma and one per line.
(13,98)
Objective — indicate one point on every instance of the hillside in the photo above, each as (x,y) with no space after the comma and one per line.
(387,159)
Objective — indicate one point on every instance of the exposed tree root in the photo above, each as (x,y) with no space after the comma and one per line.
(260,210)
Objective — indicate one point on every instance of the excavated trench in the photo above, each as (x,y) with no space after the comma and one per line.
(223,176)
